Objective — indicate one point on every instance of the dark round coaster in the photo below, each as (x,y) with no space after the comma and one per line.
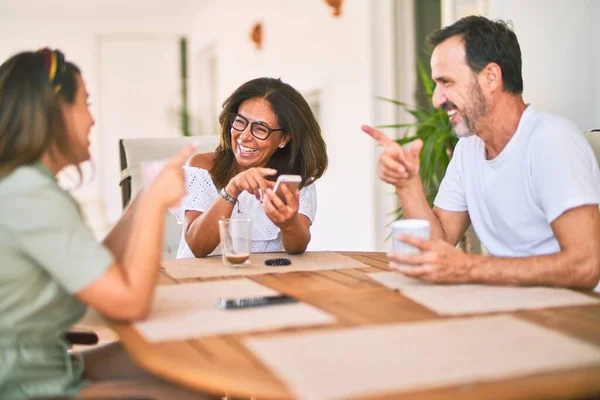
(278,262)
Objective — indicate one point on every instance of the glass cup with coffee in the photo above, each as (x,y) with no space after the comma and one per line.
(236,238)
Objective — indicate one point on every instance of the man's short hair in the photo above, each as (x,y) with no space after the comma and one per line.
(487,41)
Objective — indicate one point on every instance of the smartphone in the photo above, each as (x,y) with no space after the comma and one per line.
(291,181)
(247,302)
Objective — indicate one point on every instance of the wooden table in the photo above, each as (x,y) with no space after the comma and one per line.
(222,365)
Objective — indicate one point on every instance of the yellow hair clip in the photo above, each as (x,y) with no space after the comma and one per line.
(53,65)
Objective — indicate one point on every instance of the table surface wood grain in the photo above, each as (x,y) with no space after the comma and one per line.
(222,365)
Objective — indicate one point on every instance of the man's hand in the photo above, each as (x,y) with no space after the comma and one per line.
(396,165)
(439,261)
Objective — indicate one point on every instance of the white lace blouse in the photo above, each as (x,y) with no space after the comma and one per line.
(266,237)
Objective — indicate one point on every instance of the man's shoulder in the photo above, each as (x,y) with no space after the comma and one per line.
(546,123)
(553,137)
(545,131)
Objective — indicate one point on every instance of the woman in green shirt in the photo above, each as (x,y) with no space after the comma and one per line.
(52,268)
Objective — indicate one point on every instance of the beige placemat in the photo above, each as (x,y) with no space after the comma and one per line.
(396,358)
(190,310)
(211,267)
(474,299)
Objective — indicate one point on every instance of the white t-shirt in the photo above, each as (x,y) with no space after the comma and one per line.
(547,168)
(266,236)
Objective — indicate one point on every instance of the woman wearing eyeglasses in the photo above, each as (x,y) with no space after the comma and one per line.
(267,129)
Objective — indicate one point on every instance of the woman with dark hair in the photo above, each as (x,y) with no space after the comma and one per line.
(52,266)
(267,129)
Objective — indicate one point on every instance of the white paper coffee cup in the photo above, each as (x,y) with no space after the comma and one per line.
(413,227)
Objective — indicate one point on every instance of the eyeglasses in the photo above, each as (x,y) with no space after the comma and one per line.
(259,130)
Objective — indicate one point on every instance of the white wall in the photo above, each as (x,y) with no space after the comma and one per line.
(393,75)
(140,89)
(560,44)
(311,50)
(304,45)
(78,33)
(348,59)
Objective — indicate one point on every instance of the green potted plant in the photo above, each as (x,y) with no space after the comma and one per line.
(433,127)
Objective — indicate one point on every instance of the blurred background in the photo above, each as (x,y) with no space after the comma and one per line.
(162,68)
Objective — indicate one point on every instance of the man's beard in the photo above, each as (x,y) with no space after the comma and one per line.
(471,116)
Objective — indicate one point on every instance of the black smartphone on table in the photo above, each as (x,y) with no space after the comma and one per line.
(248,302)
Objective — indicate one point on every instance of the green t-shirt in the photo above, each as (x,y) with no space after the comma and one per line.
(47,254)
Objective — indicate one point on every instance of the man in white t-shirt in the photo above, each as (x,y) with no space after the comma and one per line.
(526,180)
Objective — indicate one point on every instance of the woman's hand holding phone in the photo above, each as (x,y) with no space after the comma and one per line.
(281,203)
(292,182)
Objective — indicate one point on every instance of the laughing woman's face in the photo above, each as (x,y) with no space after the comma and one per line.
(255,134)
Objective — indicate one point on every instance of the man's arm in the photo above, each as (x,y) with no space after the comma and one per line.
(453,224)
(576,265)
(400,168)
(449,226)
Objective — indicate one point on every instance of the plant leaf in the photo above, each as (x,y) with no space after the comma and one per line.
(425,79)
(405,140)
(395,126)
(396,102)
